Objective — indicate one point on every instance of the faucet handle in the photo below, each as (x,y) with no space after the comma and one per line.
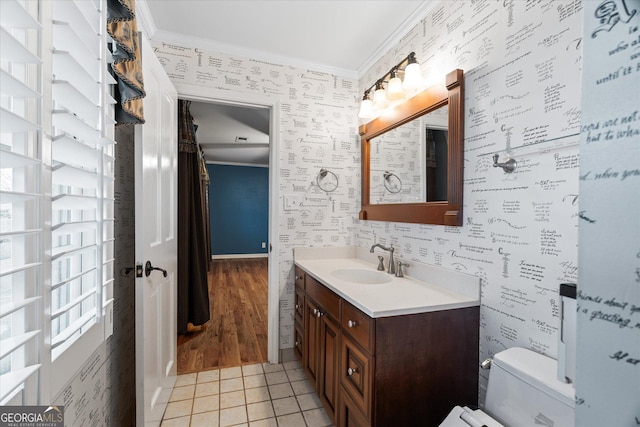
(381,263)
(399,272)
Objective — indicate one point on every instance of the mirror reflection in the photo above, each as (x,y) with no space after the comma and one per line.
(408,164)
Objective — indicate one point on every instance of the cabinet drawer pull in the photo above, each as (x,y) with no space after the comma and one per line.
(352,323)
(352,371)
(298,277)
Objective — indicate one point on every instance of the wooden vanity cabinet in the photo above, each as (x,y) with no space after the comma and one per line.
(320,356)
(407,370)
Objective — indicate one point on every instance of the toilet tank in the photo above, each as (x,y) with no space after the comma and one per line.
(524,391)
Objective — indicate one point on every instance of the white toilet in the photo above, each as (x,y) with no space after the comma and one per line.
(523,391)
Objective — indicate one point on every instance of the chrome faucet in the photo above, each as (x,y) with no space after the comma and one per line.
(390,249)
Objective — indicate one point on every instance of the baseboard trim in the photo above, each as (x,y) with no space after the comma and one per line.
(237,256)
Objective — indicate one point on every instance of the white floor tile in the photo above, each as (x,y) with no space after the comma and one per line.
(186,379)
(296,374)
(260,411)
(233,384)
(292,365)
(317,418)
(206,404)
(206,419)
(309,401)
(288,405)
(227,373)
(178,409)
(176,422)
(248,370)
(231,399)
(268,367)
(233,416)
(279,391)
(277,378)
(207,389)
(292,420)
(259,394)
(255,381)
(301,387)
(182,393)
(271,422)
(206,376)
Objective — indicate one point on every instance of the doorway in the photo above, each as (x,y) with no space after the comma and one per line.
(240,279)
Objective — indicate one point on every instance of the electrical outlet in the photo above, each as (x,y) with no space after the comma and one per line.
(264,245)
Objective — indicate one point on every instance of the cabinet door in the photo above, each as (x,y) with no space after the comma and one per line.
(299,343)
(348,413)
(329,362)
(299,307)
(312,340)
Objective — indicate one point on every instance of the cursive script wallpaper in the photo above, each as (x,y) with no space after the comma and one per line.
(523,66)
(318,130)
(608,353)
(522,63)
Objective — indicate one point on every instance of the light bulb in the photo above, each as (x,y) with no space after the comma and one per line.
(379,97)
(394,88)
(366,109)
(412,76)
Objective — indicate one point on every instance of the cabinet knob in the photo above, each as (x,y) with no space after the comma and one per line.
(297,343)
(319,314)
(352,323)
(352,371)
(315,311)
(297,306)
(298,277)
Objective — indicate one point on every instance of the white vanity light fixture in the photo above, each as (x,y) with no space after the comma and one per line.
(397,90)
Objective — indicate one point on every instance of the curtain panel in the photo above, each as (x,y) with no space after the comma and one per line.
(127,65)
(193,254)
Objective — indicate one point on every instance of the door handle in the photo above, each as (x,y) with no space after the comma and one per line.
(148,268)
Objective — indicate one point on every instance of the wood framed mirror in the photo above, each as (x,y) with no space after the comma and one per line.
(401,151)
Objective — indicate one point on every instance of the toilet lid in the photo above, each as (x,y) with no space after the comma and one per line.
(465,417)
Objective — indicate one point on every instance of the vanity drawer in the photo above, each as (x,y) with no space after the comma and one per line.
(299,277)
(360,326)
(356,375)
(299,307)
(326,299)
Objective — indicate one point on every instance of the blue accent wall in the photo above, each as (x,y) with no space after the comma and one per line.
(239,209)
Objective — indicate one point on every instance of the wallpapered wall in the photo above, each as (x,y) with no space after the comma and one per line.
(608,353)
(522,63)
(318,130)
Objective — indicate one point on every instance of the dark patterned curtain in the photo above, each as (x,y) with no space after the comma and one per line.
(193,254)
(127,66)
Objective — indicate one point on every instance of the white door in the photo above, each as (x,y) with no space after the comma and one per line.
(156,166)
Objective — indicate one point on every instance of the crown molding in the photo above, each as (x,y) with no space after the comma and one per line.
(212,45)
(395,37)
(144,20)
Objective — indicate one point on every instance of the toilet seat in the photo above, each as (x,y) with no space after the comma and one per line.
(466,417)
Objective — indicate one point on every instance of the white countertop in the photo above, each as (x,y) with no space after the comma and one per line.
(424,288)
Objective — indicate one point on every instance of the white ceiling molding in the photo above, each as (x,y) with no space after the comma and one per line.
(144,20)
(215,46)
(147,25)
(413,20)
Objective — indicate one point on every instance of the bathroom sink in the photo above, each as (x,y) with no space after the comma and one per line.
(361,276)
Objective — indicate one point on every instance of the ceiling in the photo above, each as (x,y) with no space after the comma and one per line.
(340,36)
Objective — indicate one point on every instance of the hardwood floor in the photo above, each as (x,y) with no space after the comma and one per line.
(237,332)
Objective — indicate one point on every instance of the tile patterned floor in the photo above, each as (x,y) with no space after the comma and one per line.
(260,395)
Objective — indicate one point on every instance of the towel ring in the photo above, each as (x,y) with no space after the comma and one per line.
(392,182)
(327,181)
